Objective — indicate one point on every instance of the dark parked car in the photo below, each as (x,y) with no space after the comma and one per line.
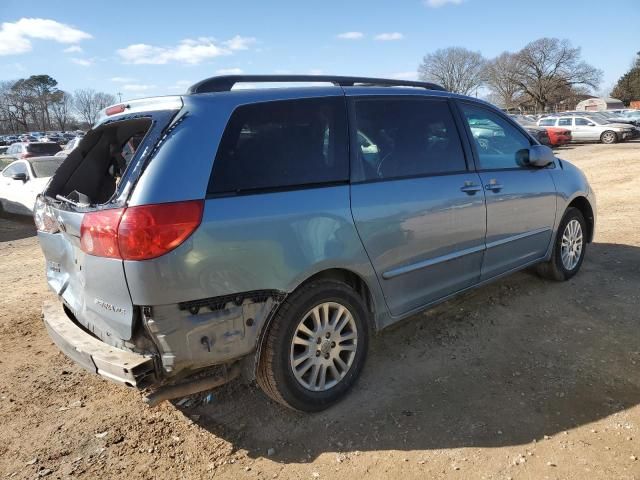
(21,150)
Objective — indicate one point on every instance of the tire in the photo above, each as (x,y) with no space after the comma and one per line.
(556,268)
(277,375)
(609,137)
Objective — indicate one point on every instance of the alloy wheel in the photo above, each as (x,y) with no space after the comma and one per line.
(324,346)
(571,246)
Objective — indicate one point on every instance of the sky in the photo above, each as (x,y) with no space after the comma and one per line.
(139,48)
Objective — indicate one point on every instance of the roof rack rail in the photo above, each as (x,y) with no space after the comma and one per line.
(226,82)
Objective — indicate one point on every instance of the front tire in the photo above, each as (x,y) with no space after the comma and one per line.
(569,248)
(315,346)
(608,137)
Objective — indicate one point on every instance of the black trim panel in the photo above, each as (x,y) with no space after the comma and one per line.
(218,303)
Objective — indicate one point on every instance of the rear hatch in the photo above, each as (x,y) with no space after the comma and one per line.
(98,176)
(41,149)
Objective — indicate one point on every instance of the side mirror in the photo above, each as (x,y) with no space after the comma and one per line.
(535,156)
(20,176)
(591,124)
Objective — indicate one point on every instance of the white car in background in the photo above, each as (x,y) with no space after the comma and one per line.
(22,181)
(589,128)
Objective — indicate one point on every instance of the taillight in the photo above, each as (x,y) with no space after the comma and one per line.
(99,233)
(27,155)
(43,217)
(150,231)
(115,109)
(139,233)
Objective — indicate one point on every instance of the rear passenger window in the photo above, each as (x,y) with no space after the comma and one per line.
(405,137)
(564,122)
(547,122)
(282,144)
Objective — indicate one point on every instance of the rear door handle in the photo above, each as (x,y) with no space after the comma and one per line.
(470,188)
(494,186)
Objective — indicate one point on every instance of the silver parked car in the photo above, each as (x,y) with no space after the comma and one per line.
(590,128)
(271,232)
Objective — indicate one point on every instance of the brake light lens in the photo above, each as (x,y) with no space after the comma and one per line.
(115,109)
(99,233)
(139,233)
(43,217)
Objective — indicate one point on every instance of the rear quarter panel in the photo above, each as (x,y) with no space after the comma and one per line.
(271,241)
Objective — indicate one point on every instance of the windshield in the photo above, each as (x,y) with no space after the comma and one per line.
(46,168)
(598,119)
(43,148)
(524,121)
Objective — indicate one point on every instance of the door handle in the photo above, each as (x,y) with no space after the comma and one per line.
(470,188)
(494,186)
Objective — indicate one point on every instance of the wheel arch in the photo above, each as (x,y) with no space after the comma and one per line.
(355,281)
(615,134)
(344,275)
(582,204)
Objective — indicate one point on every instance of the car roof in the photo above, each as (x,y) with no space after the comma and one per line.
(224,83)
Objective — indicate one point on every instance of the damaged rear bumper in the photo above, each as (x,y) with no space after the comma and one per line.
(121,366)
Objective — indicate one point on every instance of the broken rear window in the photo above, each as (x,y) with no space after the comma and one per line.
(95,167)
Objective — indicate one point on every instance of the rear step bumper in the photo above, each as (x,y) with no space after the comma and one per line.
(121,366)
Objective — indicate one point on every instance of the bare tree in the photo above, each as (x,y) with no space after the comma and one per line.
(88,103)
(61,109)
(500,77)
(457,69)
(548,67)
(20,105)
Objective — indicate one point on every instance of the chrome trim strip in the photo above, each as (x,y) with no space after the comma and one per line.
(428,263)
(520,236)
(461,253)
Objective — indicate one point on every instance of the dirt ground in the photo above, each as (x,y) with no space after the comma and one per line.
(523,379)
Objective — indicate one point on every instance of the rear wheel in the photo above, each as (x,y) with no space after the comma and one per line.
(569,248)
(609,137)
(315,347)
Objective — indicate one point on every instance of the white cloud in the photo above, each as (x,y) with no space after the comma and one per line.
(389,36)
(350,36)
(188,51)
(229,71)
(73,49)
(85,62)
(122,79)
(441,3)
(239,43)
(136,87)
(410,75)
(316,71)
(15,37)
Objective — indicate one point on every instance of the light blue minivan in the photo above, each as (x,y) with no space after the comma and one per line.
(269,232)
